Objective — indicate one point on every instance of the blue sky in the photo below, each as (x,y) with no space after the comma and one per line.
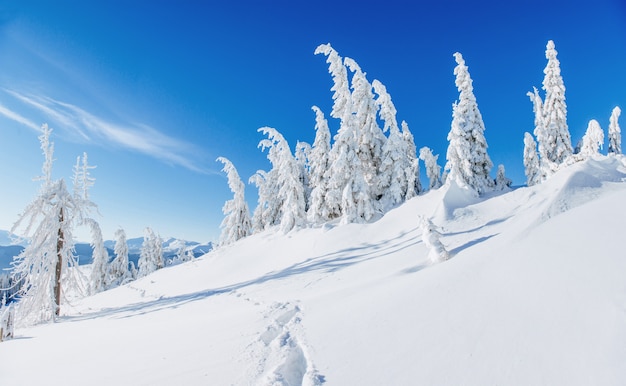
(155,91)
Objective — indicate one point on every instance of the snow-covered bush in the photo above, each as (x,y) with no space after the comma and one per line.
(431,238)
(615,134)
(592,140)
(7,321)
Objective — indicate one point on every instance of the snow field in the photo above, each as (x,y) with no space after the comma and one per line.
(533,293)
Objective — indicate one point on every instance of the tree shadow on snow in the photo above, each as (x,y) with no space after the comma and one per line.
(328,263)
(470,243)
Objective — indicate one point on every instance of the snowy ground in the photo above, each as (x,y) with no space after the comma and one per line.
(534,294)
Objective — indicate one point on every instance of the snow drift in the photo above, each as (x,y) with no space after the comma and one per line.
(533,293)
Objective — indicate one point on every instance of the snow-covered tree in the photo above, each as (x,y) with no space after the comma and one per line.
(615,134)
(285,174)
(540,132)
(118,269)
(592,140)
(531,161)
(303,150)
(151,255)
(7,320)
(412,169)
(183,255)
(348,195)
(43,264)
(83,181)
(100,266)
(369,137)
(342,98)
(502,181)
(236,223)
(431,238)
(555,144)
(467,158)
(392,179)
(433,171)
(319,163)
(265,214)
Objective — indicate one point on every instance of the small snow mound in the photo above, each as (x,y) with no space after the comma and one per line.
(454,197)
(581,183)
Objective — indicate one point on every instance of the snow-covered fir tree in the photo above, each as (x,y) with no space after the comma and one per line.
(615,134)
(7,320)
(119,268)
(100,266)
(592,140)
(151,255)
(431,237)
(343,151)
(342,97)
(502,181)
(369,136)
(532,168)
(392,179)
(319,163)
(303,150)
(236,223)
(555,144)
(412,170)
(467,158)
(348,195)
(83,181)
(289,200)
(433,171)
(265,215)
(43,265)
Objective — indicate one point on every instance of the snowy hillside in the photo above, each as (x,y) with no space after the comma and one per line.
(534,293)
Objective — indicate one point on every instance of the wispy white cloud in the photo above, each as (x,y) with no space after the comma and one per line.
(12,115)
(90,128)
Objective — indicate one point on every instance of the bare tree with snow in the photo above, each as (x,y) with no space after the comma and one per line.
(592,140)
(467,158)
(236,223)
(615,134)
(532,168)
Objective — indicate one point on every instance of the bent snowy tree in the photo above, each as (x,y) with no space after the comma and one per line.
(44,264)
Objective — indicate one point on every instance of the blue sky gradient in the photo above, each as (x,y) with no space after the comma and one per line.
(155,91)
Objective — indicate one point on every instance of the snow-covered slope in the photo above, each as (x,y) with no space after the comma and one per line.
(534,293)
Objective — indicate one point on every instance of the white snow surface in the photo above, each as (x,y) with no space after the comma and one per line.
(534,293)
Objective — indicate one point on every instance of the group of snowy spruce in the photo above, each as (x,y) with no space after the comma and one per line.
(368,169)
(364,172)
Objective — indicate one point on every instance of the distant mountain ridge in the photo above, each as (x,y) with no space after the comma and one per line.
(171,248)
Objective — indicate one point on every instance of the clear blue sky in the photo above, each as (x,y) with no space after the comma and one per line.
(155,91)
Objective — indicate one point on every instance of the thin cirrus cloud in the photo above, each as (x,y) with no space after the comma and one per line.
(90,128)
(12,115)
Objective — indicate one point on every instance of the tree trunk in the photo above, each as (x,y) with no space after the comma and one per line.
(59,266)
